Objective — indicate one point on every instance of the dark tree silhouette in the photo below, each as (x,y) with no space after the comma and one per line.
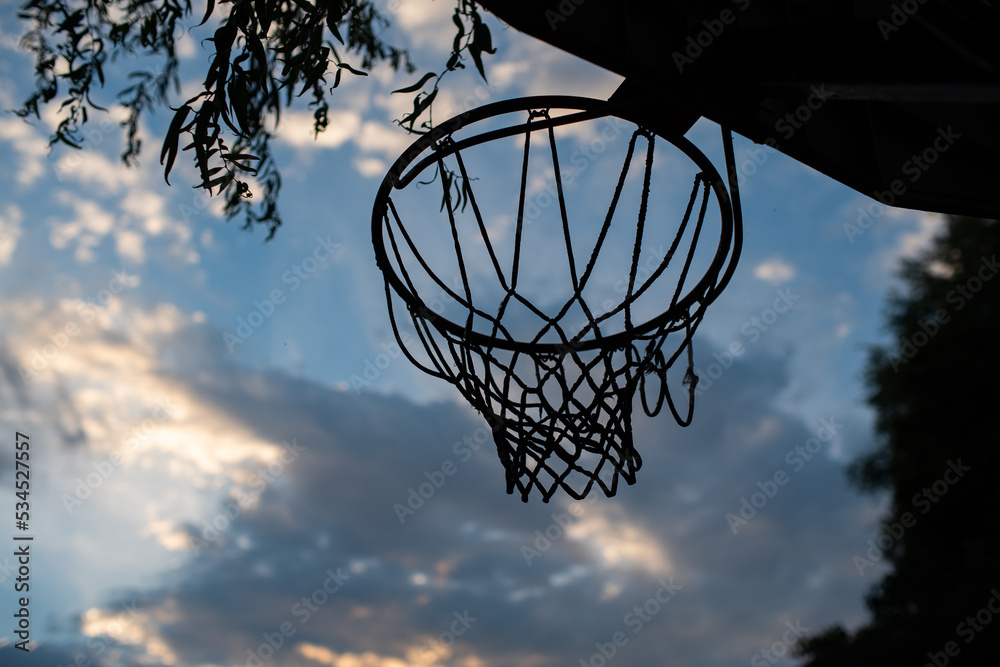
(935,392)
(266,54)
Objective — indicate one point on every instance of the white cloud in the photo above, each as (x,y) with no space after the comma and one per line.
(10,232)
(504,74)
(617,542)
(774,271)
(129,245)
(147,211)
(93,169)
(542,69)
(155,426)
(141,214)
(939,269)
(143,203)
(29,144)
(389,140)
(426,24)
(324,656)
(917,240)
(371,167)
(904,234)
(296,129)
(186,46)
(93,218)
(89,225)
(136,629)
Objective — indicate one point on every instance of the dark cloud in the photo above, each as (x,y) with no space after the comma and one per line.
(56,656)
(328,516)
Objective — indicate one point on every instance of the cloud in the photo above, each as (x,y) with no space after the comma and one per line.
(10,232)
(202,477)
(32,149)
(425,24)
(371,137)
(132,221)
(538,68)
(324,656)
(388,140)
(371,167)
(129,245)
(91,222)
(774,271)
(333,510)
(899,234)
(296,129)
(103,197)
(135,630)
(90,168)
(924,228)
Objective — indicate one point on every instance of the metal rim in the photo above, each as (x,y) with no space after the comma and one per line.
(704,292)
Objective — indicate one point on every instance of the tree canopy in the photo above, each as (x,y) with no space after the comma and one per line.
(264,55)
(934,391)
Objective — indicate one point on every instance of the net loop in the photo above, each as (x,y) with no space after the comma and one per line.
(558,402)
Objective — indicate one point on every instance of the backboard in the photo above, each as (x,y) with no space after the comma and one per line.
(897,100)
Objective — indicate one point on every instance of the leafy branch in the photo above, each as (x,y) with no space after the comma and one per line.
(267,54)
(472,37)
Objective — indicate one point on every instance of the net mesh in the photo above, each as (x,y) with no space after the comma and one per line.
(559,403)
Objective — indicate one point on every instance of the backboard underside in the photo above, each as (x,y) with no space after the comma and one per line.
(897,100)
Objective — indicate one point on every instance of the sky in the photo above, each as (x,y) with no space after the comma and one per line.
(197,502)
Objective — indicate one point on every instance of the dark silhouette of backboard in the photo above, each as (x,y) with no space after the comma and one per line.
(898,100)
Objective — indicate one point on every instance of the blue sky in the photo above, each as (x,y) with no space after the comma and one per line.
(117,292)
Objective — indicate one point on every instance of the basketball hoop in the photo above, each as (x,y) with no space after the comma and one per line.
(555,377)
